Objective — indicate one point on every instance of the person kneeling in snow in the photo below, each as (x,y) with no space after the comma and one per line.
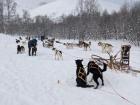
(81,76)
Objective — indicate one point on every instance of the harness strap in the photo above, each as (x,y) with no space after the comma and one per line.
(82,74)
(94,67)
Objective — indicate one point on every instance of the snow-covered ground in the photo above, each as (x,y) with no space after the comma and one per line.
(28,80)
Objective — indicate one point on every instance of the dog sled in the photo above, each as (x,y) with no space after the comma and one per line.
(115,63)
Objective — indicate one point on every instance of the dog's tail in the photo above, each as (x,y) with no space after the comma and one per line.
(105,67)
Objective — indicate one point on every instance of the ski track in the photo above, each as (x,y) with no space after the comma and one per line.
(28,80)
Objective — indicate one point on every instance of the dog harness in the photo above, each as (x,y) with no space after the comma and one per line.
(94,66)
(82,74)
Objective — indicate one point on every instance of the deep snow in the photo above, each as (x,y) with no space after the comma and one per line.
(28,80)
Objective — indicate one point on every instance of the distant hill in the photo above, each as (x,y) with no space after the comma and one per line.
(56,8)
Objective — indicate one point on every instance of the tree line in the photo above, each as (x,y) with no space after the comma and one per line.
(88,22)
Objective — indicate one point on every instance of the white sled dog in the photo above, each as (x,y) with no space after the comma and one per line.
(57,54)
(106,47)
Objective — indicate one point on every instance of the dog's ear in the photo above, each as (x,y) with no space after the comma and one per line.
(76,60)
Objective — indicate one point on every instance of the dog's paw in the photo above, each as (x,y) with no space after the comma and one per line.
(96,87)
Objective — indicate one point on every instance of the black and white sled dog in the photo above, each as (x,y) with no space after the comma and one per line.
(20,49)
(17,41)
(58,54)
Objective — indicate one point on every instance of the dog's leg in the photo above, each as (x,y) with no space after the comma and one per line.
(86,48)
(102,49)
(35,52)
(24,50)
(55,56)
(96,81)
(110,49)
(17,51)
(32,52)
(58,56)
(61,57)
(29,52)
(106,49)
(89,48)
(101,77)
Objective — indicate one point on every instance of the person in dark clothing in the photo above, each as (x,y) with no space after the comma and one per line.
(34,50)
(42,38)
(96,71)
(31,44)
(81,77)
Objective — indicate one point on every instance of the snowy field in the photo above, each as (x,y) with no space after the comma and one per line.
(34,80)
